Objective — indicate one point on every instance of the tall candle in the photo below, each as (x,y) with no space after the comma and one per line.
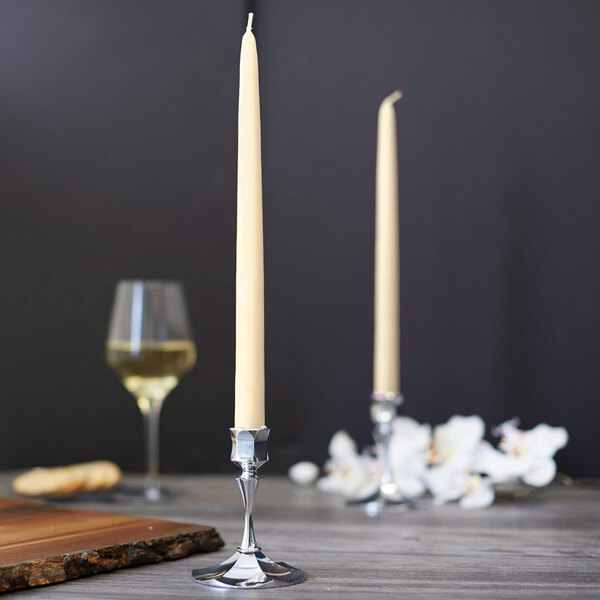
(249,349)
(386,356)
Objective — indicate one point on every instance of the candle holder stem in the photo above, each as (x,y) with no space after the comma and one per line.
(248,484)
(384,408)
(248,567)
(382,435)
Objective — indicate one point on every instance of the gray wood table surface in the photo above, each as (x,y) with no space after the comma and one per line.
(542,547)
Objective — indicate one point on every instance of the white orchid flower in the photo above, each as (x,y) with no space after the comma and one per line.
(409,447)
(499,466)
(456,440)
(452,481)
(529,454)
(454,463)
(454,450)
(348,472)
(480,493)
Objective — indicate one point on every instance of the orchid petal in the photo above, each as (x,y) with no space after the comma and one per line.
(411,487)
(498,465)
(460,435)
(342,445)
(445,482)
(481,497)
(544,441)
(541,473)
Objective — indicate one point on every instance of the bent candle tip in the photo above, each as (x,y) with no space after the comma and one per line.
(396,95)
(250,17)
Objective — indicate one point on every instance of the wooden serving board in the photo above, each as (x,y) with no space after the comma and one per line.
(41,544)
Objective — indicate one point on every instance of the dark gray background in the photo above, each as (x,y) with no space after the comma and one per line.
(118,160)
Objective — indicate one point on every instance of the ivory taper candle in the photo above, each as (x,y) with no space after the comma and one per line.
(249,281)
(386,355)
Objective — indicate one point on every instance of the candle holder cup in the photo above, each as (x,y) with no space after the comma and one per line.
(384,408)
(248,567)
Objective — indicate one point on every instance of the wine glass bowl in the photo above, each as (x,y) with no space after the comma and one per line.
(150,347)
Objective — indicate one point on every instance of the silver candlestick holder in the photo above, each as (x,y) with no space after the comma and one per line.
(384,408)
(249,567)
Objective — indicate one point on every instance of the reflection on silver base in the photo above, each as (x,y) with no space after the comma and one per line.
(377,502)
(249,571)
(387,494)
(249,567)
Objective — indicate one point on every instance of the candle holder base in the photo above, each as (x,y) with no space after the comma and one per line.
(384,408)
(249,567)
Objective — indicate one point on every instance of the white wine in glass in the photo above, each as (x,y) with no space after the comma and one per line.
(150,347)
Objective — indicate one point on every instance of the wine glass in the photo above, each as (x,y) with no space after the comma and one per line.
(150,347)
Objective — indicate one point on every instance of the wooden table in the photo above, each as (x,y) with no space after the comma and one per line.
(545,547)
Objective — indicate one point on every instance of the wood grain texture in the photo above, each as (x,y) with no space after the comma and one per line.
(42,544)
(542,548)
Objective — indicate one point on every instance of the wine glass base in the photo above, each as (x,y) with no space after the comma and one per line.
(249,570)
(140,493)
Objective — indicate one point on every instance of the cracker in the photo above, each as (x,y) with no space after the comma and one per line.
(66,481)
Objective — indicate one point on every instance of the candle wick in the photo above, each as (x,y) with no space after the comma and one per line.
(250,17)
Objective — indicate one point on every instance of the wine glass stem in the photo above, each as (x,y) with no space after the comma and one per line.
(150,409)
